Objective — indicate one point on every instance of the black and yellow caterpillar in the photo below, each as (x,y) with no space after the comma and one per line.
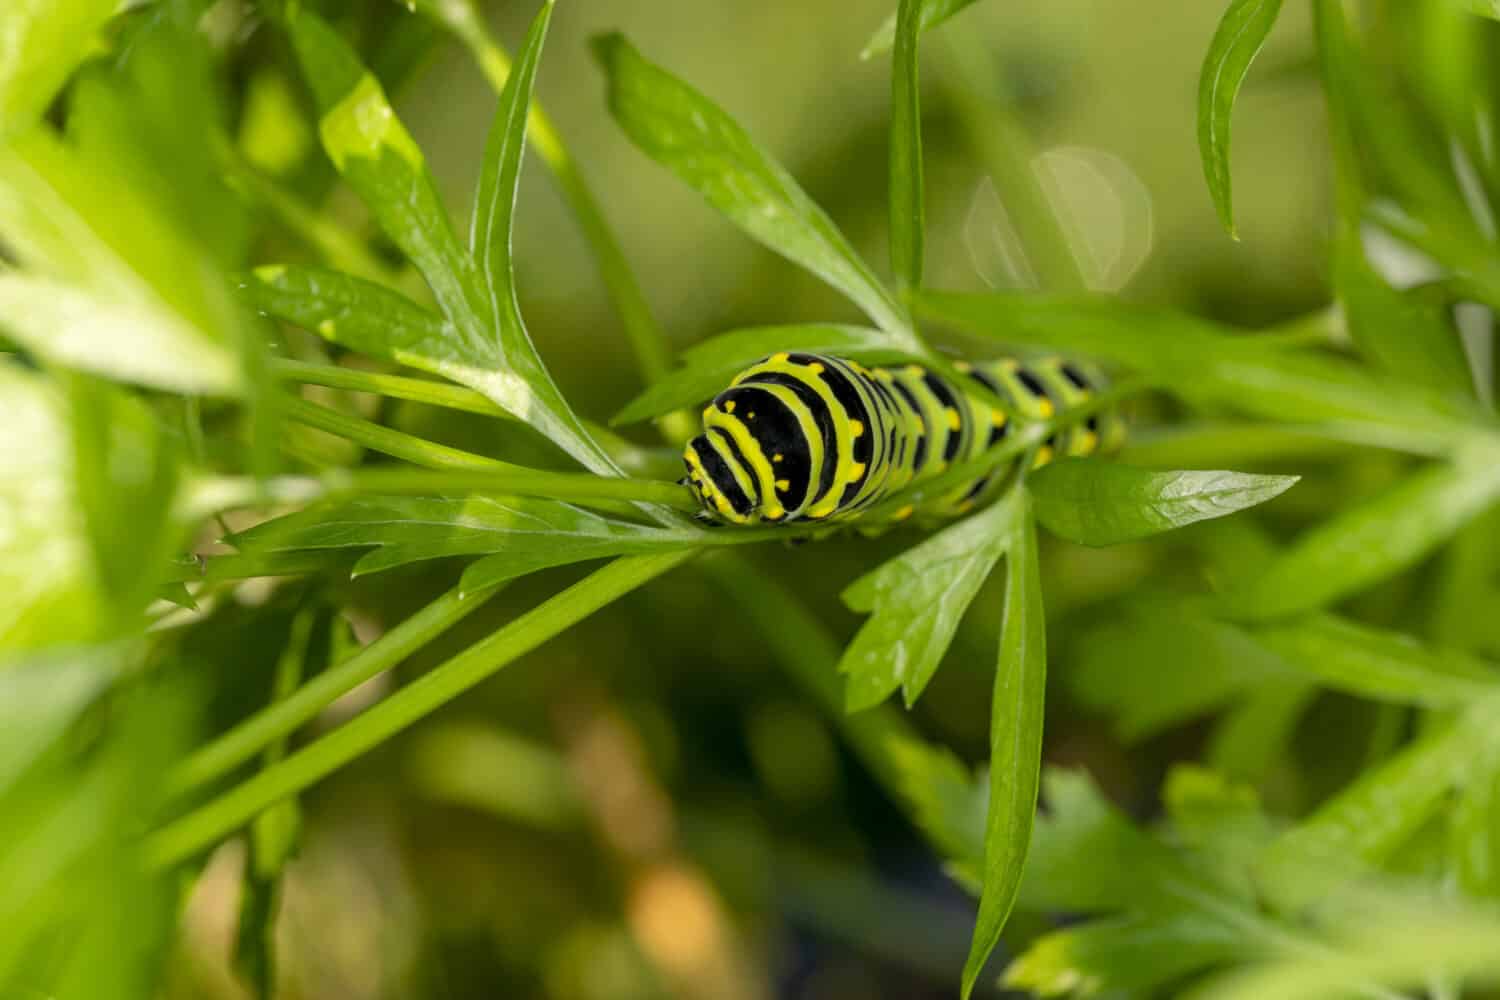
(812,437)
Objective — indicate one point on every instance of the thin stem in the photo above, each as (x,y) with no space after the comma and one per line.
(387,441)
(204,827)
(283,717)
(627,453)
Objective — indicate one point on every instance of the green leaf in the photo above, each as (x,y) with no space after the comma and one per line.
(1241,33)
(46,572)
(107,284)
(907,210)
(1407,333)
(1484,8)
(915,602)
(40,696)
(1162,662)
(691,136)
(379,159)
(1371,541)
(127,474)
(932,13)
(1101,503)
(1136,956)
(1378,664)
(41,42)
(707,368)
(1204,362)
(524,534)
(1370,819)
(1015,743)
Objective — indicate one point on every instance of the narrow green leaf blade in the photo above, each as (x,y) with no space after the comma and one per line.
(1240,35)
(1102,503)
(1015,743)
(915,602)
(1133,955)
(691,136)
(907,209)
(41,42)
(1366,543)
(932,14)
(707,368)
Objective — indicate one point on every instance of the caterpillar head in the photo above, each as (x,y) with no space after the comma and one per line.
(723,485)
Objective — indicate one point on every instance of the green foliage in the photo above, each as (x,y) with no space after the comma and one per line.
(141,458)
(1236,42)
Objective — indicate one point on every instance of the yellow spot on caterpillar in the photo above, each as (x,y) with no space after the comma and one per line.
(856,470)
(856,428)
(816,367)
(780,358)
(750,415)
(783,484)
(1045,407)
(914,370)
(998,417)
(1087,441)
(963,366)
(729,406)
(903,513)
(821,512)
(777,457)
(775,513)
(953,422)
(1043,456)
(327,328)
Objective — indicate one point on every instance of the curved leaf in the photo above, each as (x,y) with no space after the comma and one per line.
(906,197)
(1241,33)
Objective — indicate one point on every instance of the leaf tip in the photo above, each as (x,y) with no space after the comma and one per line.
(605,45)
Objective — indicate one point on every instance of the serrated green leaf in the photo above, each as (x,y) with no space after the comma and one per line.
(108,285)
(707,368)
(526,534)
(1015,742)
(379,159)
(1201,361)
(907,210)
(915,603)
(932,13)
(41,42)
(1101,503)
(691,136)
(1368,542)
(1239,37)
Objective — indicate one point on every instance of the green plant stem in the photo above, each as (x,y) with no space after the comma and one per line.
(395,443)
(420,390)
(653,352)
(281,718)
(185,837)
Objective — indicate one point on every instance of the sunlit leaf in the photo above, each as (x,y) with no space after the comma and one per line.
(695,139)
(1015,743)
(707,368)
(915,602)
(1241,33)
(380,160)
(108,285)
(1102,503)
(41,42)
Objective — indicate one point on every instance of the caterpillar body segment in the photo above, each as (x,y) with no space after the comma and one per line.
(809,437)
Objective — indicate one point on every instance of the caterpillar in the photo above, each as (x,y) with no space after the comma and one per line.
(812,437)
